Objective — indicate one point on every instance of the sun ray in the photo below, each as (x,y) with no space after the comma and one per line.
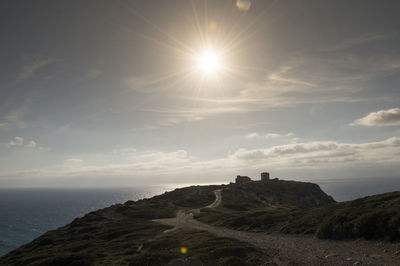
(183,45)
(183,52)
(212,60)
(240,37)
(196,17)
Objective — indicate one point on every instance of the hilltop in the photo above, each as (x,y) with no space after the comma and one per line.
(154,231)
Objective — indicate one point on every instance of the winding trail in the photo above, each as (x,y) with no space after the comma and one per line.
(296,249)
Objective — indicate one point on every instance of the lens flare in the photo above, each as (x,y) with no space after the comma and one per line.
(243,5)
(212,26)
(184,250)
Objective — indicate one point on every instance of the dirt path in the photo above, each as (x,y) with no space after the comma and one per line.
(297,249)
(218,199)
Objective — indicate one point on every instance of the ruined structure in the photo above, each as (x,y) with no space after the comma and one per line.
(242,179)
(265,176)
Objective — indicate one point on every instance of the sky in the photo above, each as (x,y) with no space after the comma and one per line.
(110,93)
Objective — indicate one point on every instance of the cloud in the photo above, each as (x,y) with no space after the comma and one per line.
(280,77)
(165,158)
(252,135)
(174,117)
(307,155)
(73,162)
(390,117)
(31,144)
(16,141)
(152,83)
(20,142)
(12,119)
(309,79)
(356,41)
(320,154)
(306,78)
(93,73)
(29,69)
(138,163)
(255,135)
(144,128)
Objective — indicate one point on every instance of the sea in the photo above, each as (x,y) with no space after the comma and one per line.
(26,214)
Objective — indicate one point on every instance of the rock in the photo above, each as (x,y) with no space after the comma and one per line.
(397,252)
(357,263)
(348,259)
(385,250)
(331,255)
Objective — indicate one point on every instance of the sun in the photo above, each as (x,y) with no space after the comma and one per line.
(209,62)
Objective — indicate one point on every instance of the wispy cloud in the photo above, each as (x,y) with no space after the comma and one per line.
(19,142)
(16,141)
(310,77)
(93,73)
(31,144)
(73,162)
(304,79)
(256,135)
(13,118)
(171,117)
(280,77)
(320,154)
(139,163)
(390,117)
(356,41)
(30,68)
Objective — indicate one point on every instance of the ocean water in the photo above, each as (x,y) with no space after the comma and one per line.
(28,213)
(344,189)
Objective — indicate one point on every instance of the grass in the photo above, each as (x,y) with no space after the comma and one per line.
(131,242)
(201,247)
(259,194)
(124,234)
(374,217)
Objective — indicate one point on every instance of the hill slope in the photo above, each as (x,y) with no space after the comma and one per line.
(257,194)
(309,211)
(125,234)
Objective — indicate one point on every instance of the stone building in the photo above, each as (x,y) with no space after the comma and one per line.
(242,179)
(264,176)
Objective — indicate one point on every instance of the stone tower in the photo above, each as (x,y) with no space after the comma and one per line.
(264,176)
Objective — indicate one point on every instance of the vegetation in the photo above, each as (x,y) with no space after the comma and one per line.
(256,194)
(374,217)
(202,247)
(124,234)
